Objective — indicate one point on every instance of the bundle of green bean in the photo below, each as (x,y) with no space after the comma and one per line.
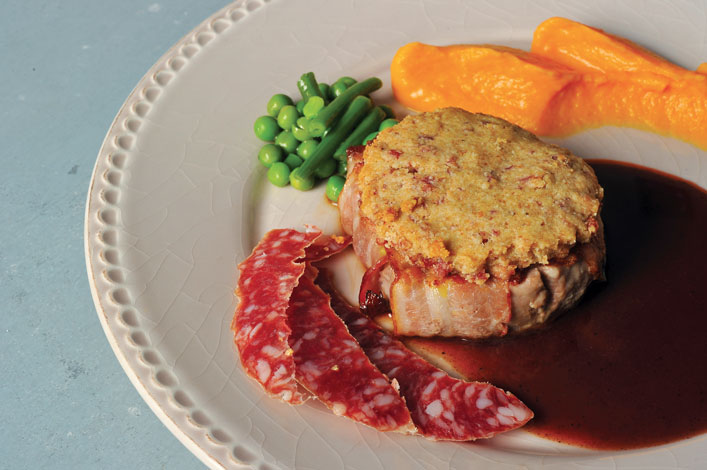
(307,141)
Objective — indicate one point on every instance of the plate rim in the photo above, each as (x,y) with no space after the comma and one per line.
(152,392)
(111,144)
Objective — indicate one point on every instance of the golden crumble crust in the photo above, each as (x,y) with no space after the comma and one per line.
(475,194)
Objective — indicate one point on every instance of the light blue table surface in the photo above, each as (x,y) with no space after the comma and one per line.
(67,66)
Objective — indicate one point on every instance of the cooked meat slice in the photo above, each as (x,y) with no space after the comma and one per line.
(454,307)
(547,290)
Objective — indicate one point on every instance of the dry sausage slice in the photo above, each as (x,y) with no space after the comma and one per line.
(267,278)
(330,364)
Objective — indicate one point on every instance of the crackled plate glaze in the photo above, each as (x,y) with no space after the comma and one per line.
(177,199)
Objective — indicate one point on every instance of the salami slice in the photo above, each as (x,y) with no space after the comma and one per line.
(267,278)
(441,406)
(330,364)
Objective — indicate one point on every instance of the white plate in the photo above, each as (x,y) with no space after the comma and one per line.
(177,199)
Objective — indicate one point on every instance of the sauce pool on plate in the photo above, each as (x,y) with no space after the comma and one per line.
(626,367)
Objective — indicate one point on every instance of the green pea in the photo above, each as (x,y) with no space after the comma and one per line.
(306,148)
(334,185)
(338,88)
(325,169)
(303,122)
(279,174)
(287,117)
(269,154)
(277,102)
(301,183)
(370,137)
(387,123)
(389,113)
(313,106)
(324,89)
(341,167)
(293,161)
(301,129)
(287,141)
(266,128)
(300,133)
(300,106)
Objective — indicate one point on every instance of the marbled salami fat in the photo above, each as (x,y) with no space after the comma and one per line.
(441,406)
(267,278)
(330,364)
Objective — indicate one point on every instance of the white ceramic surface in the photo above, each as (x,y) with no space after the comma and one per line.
(177,199)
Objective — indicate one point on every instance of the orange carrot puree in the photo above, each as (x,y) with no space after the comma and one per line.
(575,77)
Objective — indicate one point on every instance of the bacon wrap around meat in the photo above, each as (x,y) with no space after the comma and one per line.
(425,304)
(442,407)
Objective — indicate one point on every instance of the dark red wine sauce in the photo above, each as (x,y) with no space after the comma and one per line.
(626,368)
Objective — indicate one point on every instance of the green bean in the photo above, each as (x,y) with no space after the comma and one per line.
(301,182)
(328,129)
(341,167)
(324,90)
(287,141)
(277,102)
(369,124)
(387,123)
(331,95)
(293,161)
(266,128)
(389,113)
(300,106)
(348,81)
(279,174)
(327,115)
(287,117)
(325,169)
(334,185)
(353,114)
(308,86)
(338,88)
(341,85)
(269,154)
